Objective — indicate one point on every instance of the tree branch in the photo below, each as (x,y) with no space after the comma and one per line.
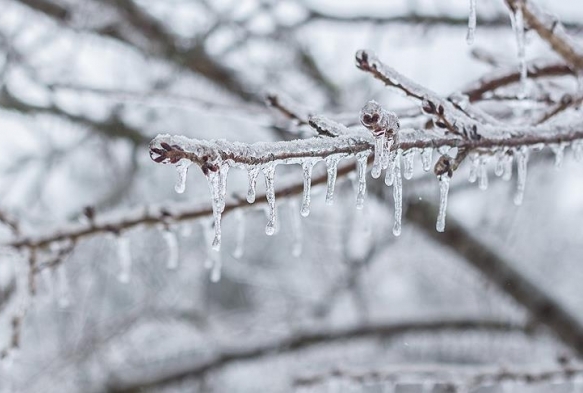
(137,380)
(543,309)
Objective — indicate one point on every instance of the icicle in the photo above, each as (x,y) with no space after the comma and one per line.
(389,174)
(240,239)
(427,158)
(216,270)
(471,23)
(222,195)
(474,161)
(361,159)
(252,176)
(483,174)
(296,230)
(64,295)
(211,254)
(500,158)
(517,19)
(332,168)
(408,164)
(379,153)
(307,167)
(443,191)
(559,150)
(398,196)
(215,187)
(507,175)
(269,173)
(577,147)
(172,248)
(125,258)
(522,165)
(182,168)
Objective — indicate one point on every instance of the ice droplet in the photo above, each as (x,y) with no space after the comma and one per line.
(426,158)
(252,176)
(269,173)
(389,174)
(182,169)
(125,258)
(361,159)
(307,167)
(332,169)
(522,166)
(559,150)
(443,192)
(398,196)
(296,230)
(483,174)
(172,248)
(471,23)
(240,239)
(474,162)
(408,158)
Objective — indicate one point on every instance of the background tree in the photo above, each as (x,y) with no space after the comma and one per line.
(111,281)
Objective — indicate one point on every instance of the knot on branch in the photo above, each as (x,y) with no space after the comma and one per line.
(378,120)
(362,60)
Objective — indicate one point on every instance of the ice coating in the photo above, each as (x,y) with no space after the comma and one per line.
(383,126)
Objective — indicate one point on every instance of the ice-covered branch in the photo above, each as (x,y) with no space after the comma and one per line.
(549,29)
(156,376)
(459,379)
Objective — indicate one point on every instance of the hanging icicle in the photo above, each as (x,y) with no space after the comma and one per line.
(361,159)
(379,152)
(559,150)
(577,147)
(182,169)
(172,248)
(474,163)
(307,167)
(408,158)
(517,19)
(269,173)
(471,23)
(427,158)
(507,175)
(443,192)
(483,174)
(240,238)
(252,173)
(522,165)
(500,158)
(390,173)
(332,169)
(215,181)
(398,195)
